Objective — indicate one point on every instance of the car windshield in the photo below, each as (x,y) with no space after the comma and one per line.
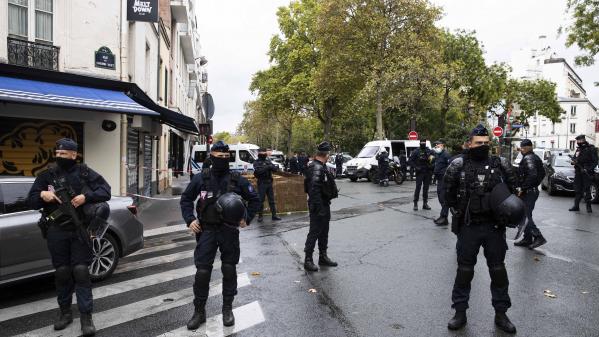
(368,152)
(562,161)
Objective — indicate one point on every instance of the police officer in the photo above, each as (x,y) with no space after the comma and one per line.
(468,183)
(584,161)
(212,233)
(69,245)
(320,185)
(263,169)
(294,164)
(403,164)
(530,174)
(383,166)
(339,164)
(441,164)
(421,160)
(303,161)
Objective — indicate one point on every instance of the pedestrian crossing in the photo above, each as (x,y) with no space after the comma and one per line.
(121,303)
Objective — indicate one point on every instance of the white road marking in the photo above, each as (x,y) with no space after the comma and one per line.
(246,317)
(163,230)
(160,248)
(136,310)
(100,292)
(154,261)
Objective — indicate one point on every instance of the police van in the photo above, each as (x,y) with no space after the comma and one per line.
(360,166)
(242,158)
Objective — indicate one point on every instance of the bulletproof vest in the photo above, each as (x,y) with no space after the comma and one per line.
(206,206)
(423,156)
(329,189)
(477,180)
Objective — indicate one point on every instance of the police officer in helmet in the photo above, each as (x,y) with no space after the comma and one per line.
(469,183)
(383,166)
(422,159)
(584,161)
(69,233)
(530,174)
(320,186)
(215,228)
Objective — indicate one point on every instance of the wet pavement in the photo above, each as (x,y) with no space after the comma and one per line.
(395,274)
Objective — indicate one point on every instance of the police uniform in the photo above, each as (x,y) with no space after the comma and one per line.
(263,170)
(208,186)
(339,164)
(383,166)
(584,161)
(69,245)
(530,174)
(320,186)
(441,164)
(468,182)
(294,165)
(420,160)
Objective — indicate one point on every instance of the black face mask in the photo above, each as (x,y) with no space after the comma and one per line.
(65,163)
(582,144)
(220,165)
(479,153)
(422,146)
(262,156)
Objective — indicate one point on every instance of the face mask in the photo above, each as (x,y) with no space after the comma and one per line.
(479,153)
(438,150)
(423,146)
(581,144)
(262,156)
(65,163)
(220,165)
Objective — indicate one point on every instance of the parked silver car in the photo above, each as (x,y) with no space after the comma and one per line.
(24,253)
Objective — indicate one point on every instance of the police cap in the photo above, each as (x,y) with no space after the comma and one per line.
(324,147)
(525,142)
(580,137)
(479,130)
(66,144)
(220,146)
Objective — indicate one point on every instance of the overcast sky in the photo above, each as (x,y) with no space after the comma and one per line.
(235,35)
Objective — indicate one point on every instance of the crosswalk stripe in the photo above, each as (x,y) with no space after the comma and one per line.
(246,317)
(163,247)
(100,292)
(154,261)
(129,312)
(164,230)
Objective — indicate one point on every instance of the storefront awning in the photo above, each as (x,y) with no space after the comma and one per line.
(29,91)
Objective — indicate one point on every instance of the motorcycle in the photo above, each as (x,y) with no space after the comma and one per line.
(394,173)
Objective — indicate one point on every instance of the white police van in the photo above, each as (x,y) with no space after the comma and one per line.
(242,158)
(360,166)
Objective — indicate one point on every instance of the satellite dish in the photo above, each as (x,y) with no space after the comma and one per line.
(208,105)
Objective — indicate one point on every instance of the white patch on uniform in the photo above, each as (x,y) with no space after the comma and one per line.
(203,194)
(250,188)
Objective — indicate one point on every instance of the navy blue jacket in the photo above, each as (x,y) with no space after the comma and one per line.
(199,187)
(441,162)
(421,163)
(99,188)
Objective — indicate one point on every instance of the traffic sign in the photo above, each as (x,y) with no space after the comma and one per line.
(497,131)
(413,135)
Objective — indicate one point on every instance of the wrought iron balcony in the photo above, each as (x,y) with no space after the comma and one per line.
(32,54)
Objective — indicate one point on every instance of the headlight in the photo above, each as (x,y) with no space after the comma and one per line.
(560,176)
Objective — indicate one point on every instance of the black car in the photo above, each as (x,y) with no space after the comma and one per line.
(559,174)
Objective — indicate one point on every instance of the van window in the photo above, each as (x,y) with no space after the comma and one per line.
(397,147)
(368,152)
(15,197)
(233,156)
(246,156)
(199,156)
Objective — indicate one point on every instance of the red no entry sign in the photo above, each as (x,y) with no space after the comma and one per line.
(413,135)
(497,131)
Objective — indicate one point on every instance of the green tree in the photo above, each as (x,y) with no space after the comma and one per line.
(584,31)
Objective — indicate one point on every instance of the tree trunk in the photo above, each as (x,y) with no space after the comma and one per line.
(445,109)
(289,134)
(380,133)
(329,109)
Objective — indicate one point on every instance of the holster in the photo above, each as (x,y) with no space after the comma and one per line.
(456,223)
(43,225)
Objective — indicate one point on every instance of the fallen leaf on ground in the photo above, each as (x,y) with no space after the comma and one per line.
(536,258)
(312,290)
(296,281)
(255,273)
(585,292)
(547,291)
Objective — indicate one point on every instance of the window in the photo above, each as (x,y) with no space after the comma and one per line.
(17,18)
(15,197)
(43,20)
(233,155)
(246,156)
(166,87)
(573,110)
(572,144)
(572,127)
(200,156)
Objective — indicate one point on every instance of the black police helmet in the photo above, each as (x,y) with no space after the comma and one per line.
(508,208)
(231,208)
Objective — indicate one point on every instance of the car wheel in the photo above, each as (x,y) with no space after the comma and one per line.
(106,257)
(595,193)
(550,189)
(353,179)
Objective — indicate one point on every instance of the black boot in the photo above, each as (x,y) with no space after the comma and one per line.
(65,318)
(525,242)
(276,218)
(503,322)
(574,208)
(198,318)
(228,318)
(87,325)
(426,206)
(415,205)
(537,242)
(260,218)
(309,264)
(324,260)
(442,221)
(458,321)
(589,208)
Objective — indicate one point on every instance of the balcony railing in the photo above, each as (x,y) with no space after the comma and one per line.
(32,54)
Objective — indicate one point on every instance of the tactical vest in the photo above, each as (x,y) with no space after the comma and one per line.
(206,205)
(476,184)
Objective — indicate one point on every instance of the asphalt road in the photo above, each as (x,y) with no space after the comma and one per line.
(395,274)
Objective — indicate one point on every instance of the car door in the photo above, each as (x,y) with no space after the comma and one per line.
(23,251)
(246,161)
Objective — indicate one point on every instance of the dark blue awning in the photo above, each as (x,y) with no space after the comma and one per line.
(20,90)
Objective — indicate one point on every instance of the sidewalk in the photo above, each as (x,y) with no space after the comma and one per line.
(161,213)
